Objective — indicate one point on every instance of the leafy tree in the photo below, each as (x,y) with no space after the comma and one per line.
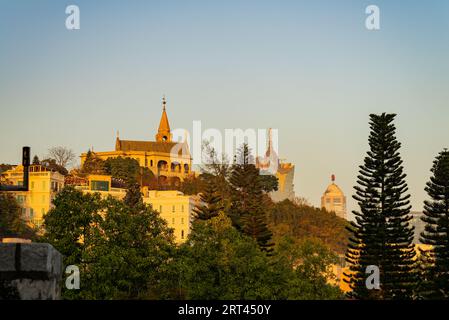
(130,247)
(133,195)
(123,168)
(210,205)
(308,264)
(436,232)
(70,222)
(128,170)
(120,249)
(382,235)
(218,262)
(11,222)
(247,208)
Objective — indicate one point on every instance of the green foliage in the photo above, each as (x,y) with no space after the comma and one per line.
(218,262)
(436,232)
(125,169)
(11,222)
(120,249)
(303,222)
(382,235)
(308,264)
(221,263)
(133,195)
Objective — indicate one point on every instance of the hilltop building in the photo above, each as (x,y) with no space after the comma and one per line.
(43,186)
(165,158)
(284,172)
(334,200)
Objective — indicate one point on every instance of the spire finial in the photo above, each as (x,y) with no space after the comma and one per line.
(164,102)
(333,178)
(118,134)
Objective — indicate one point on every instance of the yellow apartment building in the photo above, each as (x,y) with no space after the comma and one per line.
(43,186)
(175,207)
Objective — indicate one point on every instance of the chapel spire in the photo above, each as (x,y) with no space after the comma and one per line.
(163,133)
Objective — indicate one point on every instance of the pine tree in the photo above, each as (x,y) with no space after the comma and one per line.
(436,232)
(211,201)
(247,209)
(382,235)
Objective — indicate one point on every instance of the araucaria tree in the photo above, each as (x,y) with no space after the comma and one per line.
(381,234)
(211,202)
(247,209)
(436,232)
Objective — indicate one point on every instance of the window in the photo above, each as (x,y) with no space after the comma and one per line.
(99,185)
(182,234)
(151,162)
(337,200)
(42,212)
(31,214)
(182,208)
(160,209)
(32,184)
(173,209)
(24,213)
(173,220)
(44,185)
(182,220)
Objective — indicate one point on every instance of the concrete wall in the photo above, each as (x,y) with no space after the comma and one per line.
(30,271)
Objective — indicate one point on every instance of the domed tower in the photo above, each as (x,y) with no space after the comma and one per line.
(334,199)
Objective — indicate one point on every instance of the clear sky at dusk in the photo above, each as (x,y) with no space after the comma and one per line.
(308,68)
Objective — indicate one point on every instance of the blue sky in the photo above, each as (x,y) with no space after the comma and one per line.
(308,68)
